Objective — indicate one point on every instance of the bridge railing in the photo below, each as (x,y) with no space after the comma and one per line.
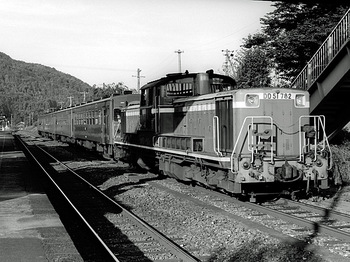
(324,55)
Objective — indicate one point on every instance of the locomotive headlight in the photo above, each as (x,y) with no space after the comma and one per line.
(300,100)
(252,100)
(246,165)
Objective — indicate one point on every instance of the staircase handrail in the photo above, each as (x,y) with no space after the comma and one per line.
(324,55)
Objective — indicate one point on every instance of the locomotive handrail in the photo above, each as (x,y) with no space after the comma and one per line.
(319,123)
(252,149)
(216,136)
(240,133)
(325,54)
(302,138)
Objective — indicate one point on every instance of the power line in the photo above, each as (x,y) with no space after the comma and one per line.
(198,47)
(155,69)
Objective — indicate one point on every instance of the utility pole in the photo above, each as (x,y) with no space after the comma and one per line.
(138,78)
(61,103)
(179,55)
(227,54)
(70,100)
(84,93)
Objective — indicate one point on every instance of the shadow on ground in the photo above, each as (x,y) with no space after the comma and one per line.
(255,251)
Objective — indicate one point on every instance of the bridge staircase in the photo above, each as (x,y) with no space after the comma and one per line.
(327,78)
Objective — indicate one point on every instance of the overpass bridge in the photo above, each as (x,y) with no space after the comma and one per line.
(327,78)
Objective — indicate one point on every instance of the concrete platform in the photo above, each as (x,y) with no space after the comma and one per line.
(30,228)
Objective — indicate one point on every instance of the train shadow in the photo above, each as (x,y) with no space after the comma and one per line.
(256,250)
(114,179)
(69,152)
(109,181)
(289,250)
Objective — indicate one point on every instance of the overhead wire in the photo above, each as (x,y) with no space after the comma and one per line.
(165,62)
(197,47)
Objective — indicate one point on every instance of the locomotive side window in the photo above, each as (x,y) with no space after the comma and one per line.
(143,97)
(218,85)
(117,122)
(147,97)
(116,114)
(96,117)
(179,89)
(163,98)
(84,118)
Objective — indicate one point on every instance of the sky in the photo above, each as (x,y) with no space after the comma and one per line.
(107,41)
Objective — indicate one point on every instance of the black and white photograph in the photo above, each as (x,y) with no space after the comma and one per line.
(175,131)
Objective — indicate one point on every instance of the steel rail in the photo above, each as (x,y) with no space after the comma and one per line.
(303,222)
(67,199)
(290,218)
(319,210)
(179,252)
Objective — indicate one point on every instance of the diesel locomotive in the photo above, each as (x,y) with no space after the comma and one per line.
(199,128)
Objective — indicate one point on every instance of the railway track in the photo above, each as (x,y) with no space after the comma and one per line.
(275,219)
(308,222)
(312,218)
(121,235)
(320,220)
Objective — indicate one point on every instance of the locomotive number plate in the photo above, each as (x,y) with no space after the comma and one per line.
(278,96)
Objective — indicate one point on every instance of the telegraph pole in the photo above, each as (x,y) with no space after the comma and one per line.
(138,78)
(84,93)
(227,54)
(70,100)
(179,55)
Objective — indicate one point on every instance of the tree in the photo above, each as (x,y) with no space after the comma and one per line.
(293,32)
(27,88)
(252,66)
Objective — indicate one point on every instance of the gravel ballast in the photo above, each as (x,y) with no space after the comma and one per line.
(206,233)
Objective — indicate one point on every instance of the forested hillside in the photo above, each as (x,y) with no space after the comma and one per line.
(27,89)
